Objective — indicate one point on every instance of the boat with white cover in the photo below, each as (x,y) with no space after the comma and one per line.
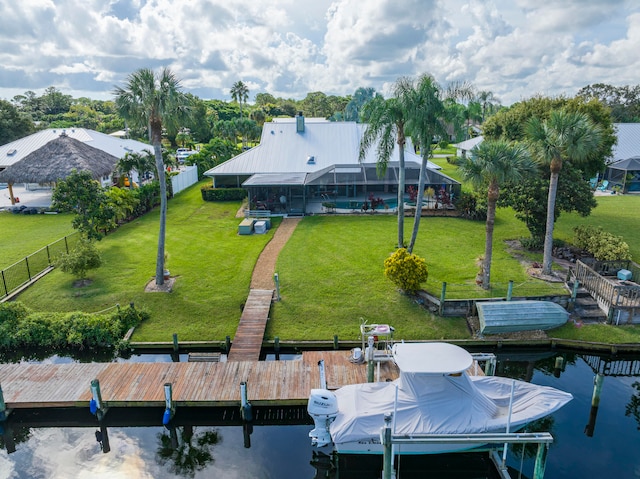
(433,395)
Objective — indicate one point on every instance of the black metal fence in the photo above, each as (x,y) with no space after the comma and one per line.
(25,270)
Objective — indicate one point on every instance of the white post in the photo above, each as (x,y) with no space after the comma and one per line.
(504,453)
(323,379)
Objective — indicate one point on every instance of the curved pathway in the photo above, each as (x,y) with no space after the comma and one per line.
(262,277)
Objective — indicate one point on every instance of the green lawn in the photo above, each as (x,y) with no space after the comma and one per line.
(212,263)
(331,272)
(25,234)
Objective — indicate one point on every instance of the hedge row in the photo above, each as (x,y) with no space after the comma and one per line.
(210,193)
(21,327)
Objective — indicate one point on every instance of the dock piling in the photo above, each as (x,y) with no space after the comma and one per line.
(3,406)
(96,405)
(176,346)
(170,409)
(595,404)
(246,412)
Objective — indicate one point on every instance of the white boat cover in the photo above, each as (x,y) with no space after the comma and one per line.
(431,402)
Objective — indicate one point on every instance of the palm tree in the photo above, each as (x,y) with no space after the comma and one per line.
(240,93)
(486,99)
(426,118)
(565,136)
(151,101)
(494,163)
(386,120)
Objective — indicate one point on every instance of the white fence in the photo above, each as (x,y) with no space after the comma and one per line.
(188,176)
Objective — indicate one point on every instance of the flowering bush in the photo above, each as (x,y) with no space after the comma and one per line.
(406,270)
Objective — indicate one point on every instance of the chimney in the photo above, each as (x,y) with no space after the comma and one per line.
(300,123)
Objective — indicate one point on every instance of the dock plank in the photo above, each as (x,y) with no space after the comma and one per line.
(247,341)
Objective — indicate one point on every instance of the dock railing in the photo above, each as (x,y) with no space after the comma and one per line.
(32,266)
(616,300)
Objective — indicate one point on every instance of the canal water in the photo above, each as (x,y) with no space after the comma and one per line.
(587,443)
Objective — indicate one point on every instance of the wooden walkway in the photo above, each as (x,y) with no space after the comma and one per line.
(248,339)
(206,384)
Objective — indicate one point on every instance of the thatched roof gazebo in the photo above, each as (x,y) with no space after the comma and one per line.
(56,160)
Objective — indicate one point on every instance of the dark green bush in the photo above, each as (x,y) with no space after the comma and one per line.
(20,327)
(210,193)
(472,206)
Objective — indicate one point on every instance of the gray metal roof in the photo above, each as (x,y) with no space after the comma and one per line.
(628,141)
(322,145)
(630,164)
(118,147)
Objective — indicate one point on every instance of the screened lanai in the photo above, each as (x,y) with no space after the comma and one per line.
(626,174)
(345,186)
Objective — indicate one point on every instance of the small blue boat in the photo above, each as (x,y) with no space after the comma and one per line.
(498,317)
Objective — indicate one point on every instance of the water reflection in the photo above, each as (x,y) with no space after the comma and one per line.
(633,407)
(186,450)
(199,447)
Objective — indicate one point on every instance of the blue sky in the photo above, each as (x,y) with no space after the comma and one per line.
(514,48)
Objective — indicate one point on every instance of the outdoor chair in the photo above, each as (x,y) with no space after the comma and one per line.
(604,185)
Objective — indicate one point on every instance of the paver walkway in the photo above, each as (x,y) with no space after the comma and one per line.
(262,277)
(247,341)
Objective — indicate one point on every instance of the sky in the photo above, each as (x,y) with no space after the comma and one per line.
(288,48)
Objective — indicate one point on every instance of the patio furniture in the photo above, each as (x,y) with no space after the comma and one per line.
(604,185)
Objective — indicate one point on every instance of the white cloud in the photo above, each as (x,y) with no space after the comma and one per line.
(287,48)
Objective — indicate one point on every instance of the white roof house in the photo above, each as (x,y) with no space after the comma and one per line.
(466,146)
(118,147)
(306,158)
(322,145)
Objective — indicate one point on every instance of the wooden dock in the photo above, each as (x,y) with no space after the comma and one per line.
(247,341)
(194,384)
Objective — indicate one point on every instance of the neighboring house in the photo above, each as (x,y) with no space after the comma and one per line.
(464,147)
(312,160)
(17,150)
(39,160)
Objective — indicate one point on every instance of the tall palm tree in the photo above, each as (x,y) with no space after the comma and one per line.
(486,99)
(240,93)
(425,99)
(565,136)
(385,126)
(151,101)
(492,164)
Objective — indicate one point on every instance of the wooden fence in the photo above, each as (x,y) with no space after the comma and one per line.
(620,300)
(26,270)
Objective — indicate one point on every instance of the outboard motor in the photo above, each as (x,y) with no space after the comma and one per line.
(323,409)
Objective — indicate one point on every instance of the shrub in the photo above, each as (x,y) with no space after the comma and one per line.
(21,327)
(472,206)
(209,193)
(79,260)
(603,245)
(406,270)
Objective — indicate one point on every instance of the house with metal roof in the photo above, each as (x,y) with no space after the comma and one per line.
(301,163)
